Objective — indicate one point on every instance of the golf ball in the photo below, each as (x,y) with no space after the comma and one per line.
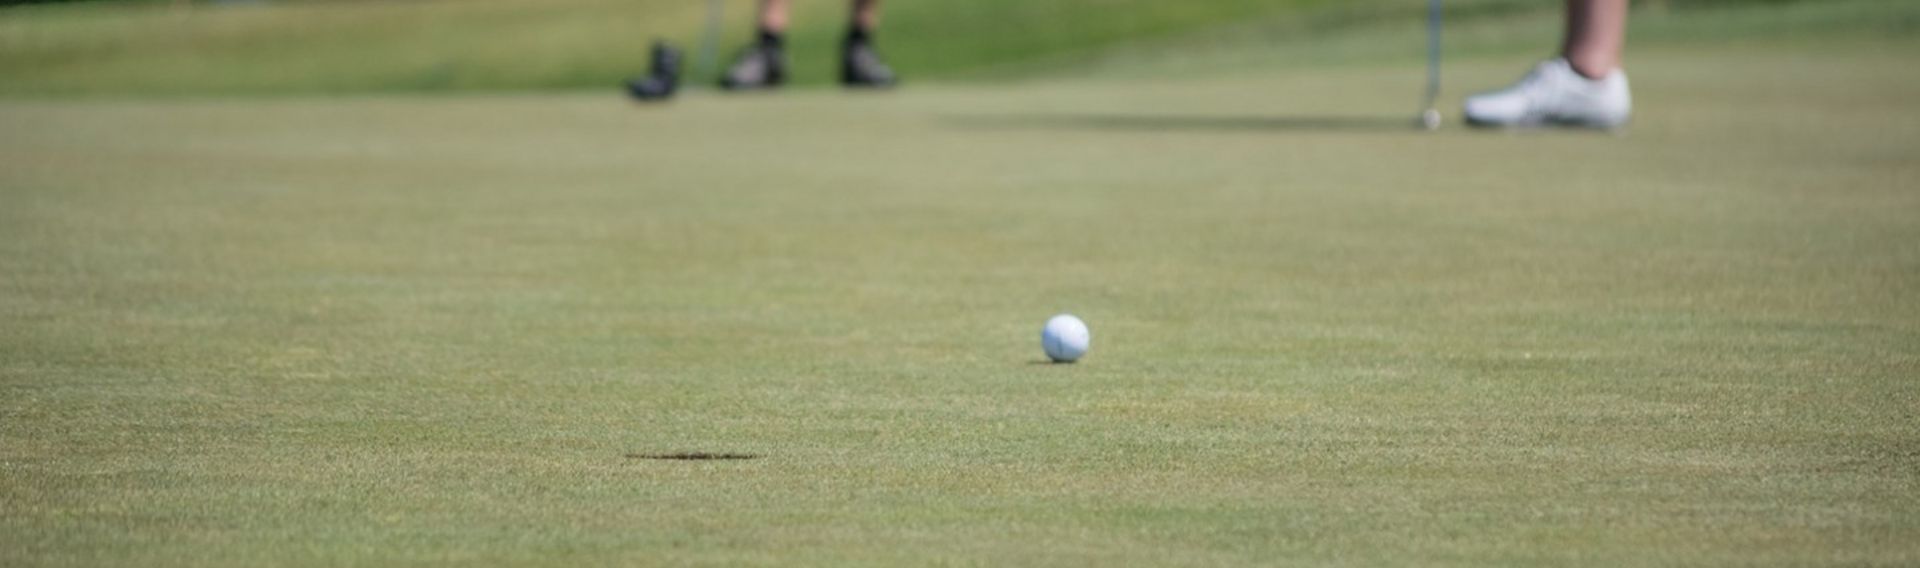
(1430,119)
(1065,338)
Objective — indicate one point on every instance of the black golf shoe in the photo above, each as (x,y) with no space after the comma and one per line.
(860,66)
(662,80)
(761,66)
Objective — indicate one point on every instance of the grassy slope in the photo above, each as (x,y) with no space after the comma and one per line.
(519,44)
(402,329)
(108,48)
(1359,35)
(442,45)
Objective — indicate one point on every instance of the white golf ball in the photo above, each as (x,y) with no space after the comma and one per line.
(1430,119)
(1065,338)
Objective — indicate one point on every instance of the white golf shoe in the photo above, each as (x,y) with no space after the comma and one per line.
(1555,94)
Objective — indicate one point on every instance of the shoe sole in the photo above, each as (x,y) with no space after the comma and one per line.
(1548,124)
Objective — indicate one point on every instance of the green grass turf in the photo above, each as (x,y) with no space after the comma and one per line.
(306,47)
(155,48)
(422,330)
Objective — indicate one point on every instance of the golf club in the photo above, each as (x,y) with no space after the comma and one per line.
(710,39)
(1430,116)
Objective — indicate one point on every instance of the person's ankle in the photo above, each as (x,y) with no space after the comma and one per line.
(1593,69)
(858,36)
(772,38)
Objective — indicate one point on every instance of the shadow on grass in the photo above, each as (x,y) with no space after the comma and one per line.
(1183,122)
(693,456)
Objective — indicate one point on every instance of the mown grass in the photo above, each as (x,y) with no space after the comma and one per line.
(451,330)
(153,48)
(329,47)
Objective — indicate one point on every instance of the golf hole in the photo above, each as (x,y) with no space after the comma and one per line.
(694,456)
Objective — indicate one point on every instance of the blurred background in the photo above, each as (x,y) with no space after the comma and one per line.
(235,47)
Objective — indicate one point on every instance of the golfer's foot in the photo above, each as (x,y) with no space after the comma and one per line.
(860,66)
(1555,94)
(660,81)
(761,66)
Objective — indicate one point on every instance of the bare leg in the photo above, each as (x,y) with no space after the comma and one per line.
(762,64)
(860,64)
(866,14)
(1583,87)
(773,15)
(1596,32)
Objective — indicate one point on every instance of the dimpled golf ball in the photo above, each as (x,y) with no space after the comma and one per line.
(1065,338)
(1430,119)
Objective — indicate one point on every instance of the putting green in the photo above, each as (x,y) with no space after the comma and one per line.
(441,330)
